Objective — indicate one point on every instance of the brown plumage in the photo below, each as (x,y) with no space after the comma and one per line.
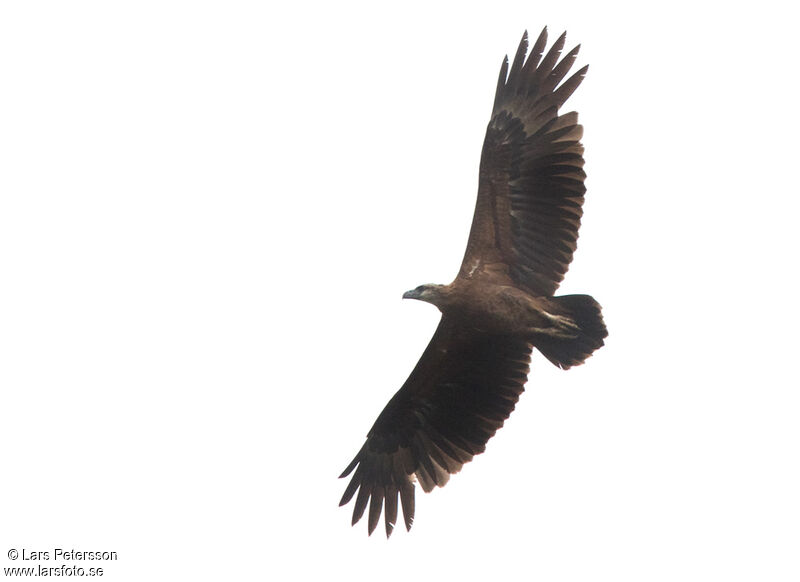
(501,304)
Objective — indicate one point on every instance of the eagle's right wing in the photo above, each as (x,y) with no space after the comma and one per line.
(463,388)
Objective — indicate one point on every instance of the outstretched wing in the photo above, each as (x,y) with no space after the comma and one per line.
(462,390)
(531,188)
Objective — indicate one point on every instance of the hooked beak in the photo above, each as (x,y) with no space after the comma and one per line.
(413,294)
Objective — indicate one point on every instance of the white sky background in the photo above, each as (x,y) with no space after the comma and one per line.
(209,212)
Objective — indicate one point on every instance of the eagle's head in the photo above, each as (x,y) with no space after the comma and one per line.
(430,292)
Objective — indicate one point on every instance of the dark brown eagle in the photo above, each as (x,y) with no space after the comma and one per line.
(501,304)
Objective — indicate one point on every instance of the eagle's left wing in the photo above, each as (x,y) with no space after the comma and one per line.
(530,192)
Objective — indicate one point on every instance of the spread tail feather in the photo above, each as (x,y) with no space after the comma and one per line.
(568,352)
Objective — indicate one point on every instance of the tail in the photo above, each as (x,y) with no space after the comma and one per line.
(568,352)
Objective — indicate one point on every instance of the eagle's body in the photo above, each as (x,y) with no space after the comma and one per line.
(497,308)
(501,304)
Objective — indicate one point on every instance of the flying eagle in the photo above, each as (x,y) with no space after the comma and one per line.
(501,304)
